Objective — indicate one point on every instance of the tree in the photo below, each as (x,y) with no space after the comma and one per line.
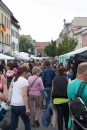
(50,50)
(68,44)
(25,44)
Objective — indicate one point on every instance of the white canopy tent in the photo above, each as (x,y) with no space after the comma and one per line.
(4,57)
(22,55)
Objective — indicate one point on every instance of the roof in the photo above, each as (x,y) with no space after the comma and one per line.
(79,21)
(2,4)
(14,19)
(42,44)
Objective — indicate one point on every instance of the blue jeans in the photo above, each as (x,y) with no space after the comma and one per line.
(16,112)
(47,97)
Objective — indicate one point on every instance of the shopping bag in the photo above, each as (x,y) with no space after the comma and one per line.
(47,116)
(10,92)
(54,118)
(3,109)
(6,121)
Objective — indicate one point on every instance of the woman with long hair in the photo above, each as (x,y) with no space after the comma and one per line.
(19,100)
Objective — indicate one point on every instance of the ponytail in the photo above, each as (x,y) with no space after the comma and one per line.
(17,74)
(20,72)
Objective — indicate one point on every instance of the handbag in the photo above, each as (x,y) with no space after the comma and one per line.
(6,121)
(10,92)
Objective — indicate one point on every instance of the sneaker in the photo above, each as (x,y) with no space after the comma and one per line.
(37,124)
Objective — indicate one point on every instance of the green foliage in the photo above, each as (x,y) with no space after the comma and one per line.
(68,44)
(25,44)
(50,50)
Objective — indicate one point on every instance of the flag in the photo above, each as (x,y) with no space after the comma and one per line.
(3,29)
(0,26)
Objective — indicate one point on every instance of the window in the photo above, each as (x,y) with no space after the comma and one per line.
(7,38)
(12,32)
(7,22)
(2,17)
(13,45)
(85,37)
(2,38)
(17,47)
(17,35)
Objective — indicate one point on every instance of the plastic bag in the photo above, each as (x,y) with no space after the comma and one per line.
(47,116)
(10,92)
(54,118)
(6,122)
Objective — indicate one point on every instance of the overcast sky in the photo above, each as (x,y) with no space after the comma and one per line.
(43,19)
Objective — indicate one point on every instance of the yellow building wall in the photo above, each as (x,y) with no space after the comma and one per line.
(3,38)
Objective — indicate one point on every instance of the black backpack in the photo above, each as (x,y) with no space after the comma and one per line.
(78,109)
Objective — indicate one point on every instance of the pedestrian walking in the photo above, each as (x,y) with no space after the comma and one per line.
(10,73)
(35,85)
(60,98)
(48,75)
(19,100)
(74,86)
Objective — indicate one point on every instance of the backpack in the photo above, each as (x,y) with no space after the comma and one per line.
(78,109)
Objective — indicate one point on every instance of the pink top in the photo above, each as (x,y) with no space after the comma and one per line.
(1,82)
(37,86)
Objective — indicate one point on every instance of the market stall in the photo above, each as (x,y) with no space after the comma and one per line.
(6,58)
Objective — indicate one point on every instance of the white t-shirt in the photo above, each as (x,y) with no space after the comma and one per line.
(17,98)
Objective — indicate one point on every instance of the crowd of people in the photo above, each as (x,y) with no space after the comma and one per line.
(33,82)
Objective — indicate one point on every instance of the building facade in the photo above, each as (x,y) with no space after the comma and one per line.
(14,34)
(75,29)
(84,38)
(9,38)
(79,36)
(40,48)
(5,19)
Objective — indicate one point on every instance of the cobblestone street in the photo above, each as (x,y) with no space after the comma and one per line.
(21,125)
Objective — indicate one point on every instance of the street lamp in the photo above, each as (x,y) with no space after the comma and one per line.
(29,51)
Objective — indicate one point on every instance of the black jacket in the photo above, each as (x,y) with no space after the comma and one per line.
(60,86)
